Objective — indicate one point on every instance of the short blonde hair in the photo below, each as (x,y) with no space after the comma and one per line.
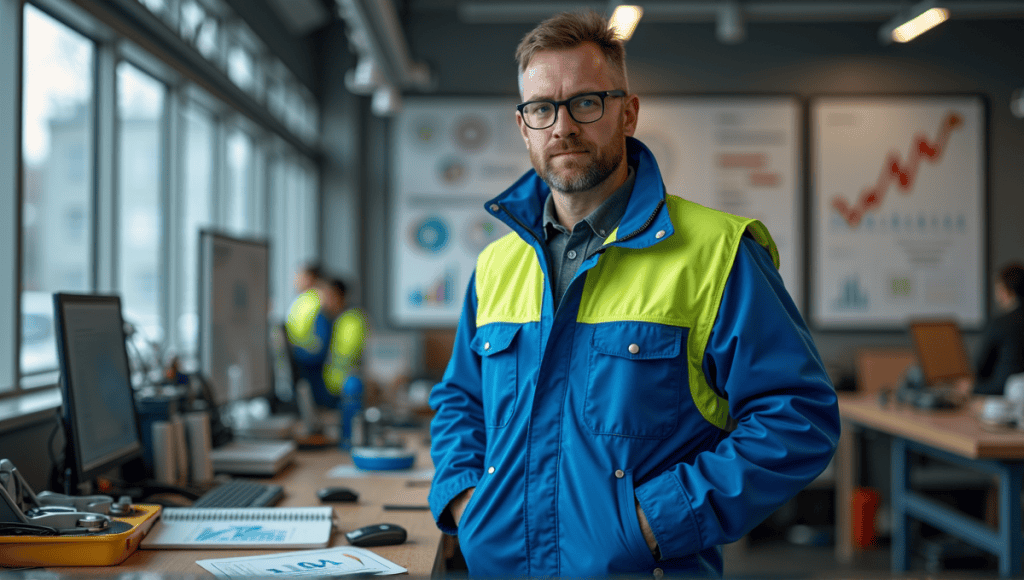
(569,30)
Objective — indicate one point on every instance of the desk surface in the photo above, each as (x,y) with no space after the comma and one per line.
(300,481)
(958,431)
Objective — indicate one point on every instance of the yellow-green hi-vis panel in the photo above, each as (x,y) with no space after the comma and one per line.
(677,282)
(509,282)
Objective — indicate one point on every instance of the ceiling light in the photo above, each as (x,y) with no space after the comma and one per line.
(624,21)
(909,25)
(731,29)
(1017,103)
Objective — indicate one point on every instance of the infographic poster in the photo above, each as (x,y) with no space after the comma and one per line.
(898,211)
(450,156)
(740,155)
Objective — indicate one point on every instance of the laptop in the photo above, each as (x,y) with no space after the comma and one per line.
(942,357)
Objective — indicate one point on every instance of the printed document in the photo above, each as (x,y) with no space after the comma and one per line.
(311,563)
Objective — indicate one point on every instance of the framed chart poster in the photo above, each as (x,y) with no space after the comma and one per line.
(898,211)
(738,154)
(450,156)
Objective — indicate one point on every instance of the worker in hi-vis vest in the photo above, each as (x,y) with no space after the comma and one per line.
(348,337)
(309,328)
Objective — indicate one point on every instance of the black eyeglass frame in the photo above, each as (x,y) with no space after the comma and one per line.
(558,105)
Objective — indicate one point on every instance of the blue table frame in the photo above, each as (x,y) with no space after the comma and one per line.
(1006,542)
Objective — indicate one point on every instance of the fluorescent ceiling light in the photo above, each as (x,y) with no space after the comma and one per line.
(624,20)
(921,18)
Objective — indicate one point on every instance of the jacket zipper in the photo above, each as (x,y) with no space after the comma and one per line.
(632,234)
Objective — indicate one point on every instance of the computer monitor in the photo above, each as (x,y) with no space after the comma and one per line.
(940,351)
(234,305)
(101,427)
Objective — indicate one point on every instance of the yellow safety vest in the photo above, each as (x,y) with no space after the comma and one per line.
(678,281)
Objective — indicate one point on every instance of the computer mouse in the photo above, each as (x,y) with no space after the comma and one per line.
(337,494)
(377,535)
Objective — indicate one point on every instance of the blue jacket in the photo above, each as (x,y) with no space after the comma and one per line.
(563,420)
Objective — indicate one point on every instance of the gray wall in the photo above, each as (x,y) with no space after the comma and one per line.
(804,59)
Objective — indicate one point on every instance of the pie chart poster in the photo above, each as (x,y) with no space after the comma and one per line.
(450,156)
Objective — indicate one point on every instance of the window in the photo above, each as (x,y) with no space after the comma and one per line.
(166,10)
(239,179)
(57,113)
(240,66)
(140,106)
(197,201)
(293,222)
(243,48)
(201,28)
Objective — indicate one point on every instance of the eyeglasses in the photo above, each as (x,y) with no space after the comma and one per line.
(583,108)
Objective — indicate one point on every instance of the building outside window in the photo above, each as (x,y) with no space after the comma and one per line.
(57,157)
(199,151)
(140,110)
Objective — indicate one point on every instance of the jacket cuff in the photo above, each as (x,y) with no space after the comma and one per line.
(440,496)
(670,515)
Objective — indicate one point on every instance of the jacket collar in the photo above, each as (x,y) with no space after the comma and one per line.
(521,206)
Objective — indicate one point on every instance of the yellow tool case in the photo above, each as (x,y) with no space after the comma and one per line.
(102,548)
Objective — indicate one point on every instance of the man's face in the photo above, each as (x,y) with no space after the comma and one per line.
(575,157)
(303,281)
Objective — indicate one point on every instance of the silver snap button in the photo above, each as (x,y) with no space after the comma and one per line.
(571,255)
(490,469)
(658,572)
(660,234)
(487,346)
(620,474)
(634,348)
(494,207)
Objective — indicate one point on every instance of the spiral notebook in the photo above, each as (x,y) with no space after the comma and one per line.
(215,528)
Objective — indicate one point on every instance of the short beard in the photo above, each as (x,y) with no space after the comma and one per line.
(587,179)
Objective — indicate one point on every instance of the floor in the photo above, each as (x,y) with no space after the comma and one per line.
(779,557)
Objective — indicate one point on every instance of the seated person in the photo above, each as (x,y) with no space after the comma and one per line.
(348,337)
(1002,347)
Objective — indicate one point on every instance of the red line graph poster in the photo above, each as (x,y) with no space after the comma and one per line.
(898,211)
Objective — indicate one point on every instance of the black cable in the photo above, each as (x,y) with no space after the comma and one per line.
(20,529)
(55,464)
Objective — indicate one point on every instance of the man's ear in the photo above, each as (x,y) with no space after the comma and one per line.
(630,113)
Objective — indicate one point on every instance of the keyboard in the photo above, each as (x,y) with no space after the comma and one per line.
(239,493)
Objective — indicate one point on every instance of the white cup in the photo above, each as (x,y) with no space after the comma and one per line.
(997,410)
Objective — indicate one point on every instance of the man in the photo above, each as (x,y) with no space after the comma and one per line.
(1002,345)
(303,311)
(309,332)
(348,337)
(630,386)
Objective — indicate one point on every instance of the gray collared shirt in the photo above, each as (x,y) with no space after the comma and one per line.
(566,250)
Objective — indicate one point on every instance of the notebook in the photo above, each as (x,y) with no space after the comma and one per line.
(214,528)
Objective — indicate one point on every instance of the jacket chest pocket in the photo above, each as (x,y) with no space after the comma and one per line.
(499,370)
(636,379)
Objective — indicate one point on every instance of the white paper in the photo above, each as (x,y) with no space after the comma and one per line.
(329,562)
(344,471)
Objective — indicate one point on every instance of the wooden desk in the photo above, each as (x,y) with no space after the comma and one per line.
(301,480)
(955,436)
